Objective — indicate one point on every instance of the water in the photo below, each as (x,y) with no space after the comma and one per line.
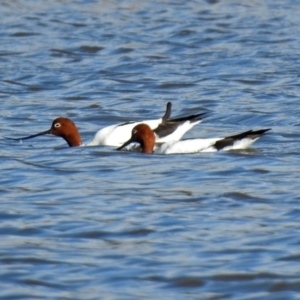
(94,223)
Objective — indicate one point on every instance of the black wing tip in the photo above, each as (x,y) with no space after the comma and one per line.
(192,118)
(230,140)
(260,131)
(201,115)
(252,134)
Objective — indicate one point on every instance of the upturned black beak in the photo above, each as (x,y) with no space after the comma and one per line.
(125,144)
(31,136)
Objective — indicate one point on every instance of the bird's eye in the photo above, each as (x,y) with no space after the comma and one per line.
(57,125)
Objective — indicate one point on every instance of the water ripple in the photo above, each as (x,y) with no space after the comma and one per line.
(78,222)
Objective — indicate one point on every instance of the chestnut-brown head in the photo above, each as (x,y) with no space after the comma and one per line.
(62,127)
(66,129)
(143,135)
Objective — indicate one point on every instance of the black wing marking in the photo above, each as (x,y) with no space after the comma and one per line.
(165,129)
(169,126)
(192,118)
(229,141)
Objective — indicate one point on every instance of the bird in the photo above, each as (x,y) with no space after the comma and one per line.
(145,137)
(165,130)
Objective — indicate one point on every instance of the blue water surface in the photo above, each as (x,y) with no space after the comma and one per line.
(95,223)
